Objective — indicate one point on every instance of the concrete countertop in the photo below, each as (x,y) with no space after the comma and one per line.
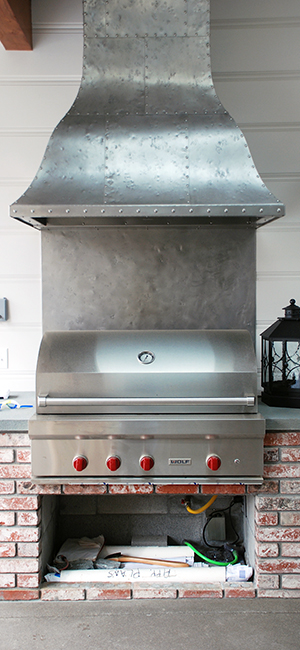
(277,419)
(17,419)
(280,418)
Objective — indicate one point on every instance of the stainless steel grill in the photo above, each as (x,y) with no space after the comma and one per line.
(147,406)
(136,406)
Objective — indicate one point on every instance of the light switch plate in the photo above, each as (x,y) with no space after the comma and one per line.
(3,309)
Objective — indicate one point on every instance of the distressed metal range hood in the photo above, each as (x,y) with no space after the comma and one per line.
(147,141)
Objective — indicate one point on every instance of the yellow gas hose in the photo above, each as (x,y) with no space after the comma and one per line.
(197,512)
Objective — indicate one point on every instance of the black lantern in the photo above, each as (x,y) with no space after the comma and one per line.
(280,360)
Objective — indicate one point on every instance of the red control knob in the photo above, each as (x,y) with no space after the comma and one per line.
(146,463)
(113,463)
(213,462)
(80,463)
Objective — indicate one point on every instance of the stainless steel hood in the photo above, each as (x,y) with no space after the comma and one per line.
(147,141)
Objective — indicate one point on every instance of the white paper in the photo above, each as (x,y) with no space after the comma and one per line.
(82,548)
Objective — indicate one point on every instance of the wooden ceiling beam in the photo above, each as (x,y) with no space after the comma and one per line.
(15,24)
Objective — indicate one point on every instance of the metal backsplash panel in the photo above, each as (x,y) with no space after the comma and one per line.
(161,278)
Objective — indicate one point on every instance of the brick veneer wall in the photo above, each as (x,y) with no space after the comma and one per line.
(276,528)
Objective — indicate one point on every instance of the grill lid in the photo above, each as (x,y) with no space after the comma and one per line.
(179,371)
(147,141)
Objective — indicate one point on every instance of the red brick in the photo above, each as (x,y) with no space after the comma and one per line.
(19,594)
(290,487)
(267,487)
(290,550)
(177,489)
(26,487)
(24,455)
(290,438)
(14,534)
(269,581)
(7,550)
(282,471)
(290,582)
(19,503)
(266,518)
(267,550)
(62,592)
(28,549)
(84,489)
(28,580)
(7,581)
(28,518)
(278,593)
(109,592)
(278,566)
(153,591)
(277,503)
(240,591)
(7,455)
(7,518)
(144,488)
(290,454)
(18,565)
(7,487)
(278,534)
(200,590)
(290,518)
(14,440)
(223,489)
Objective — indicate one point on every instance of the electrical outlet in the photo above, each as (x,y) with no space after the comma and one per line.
(3,309)
(3,358)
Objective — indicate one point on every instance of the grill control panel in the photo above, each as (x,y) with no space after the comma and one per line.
(137,454)
(113,463)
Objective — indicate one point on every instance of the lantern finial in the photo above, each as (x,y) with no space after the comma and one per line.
(292,310)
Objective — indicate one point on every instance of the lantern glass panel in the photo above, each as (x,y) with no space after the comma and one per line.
(286,362)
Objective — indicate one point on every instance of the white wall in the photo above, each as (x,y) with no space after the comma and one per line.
(256,67)
(36,90)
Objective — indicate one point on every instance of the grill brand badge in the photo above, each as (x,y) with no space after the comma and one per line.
(180,461)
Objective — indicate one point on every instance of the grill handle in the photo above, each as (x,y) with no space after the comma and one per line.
(45,400)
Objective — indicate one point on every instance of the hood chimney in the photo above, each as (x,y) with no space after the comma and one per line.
(147,141)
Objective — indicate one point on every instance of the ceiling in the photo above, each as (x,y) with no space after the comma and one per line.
(15,24)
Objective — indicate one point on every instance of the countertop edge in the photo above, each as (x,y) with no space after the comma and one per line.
(16,420)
